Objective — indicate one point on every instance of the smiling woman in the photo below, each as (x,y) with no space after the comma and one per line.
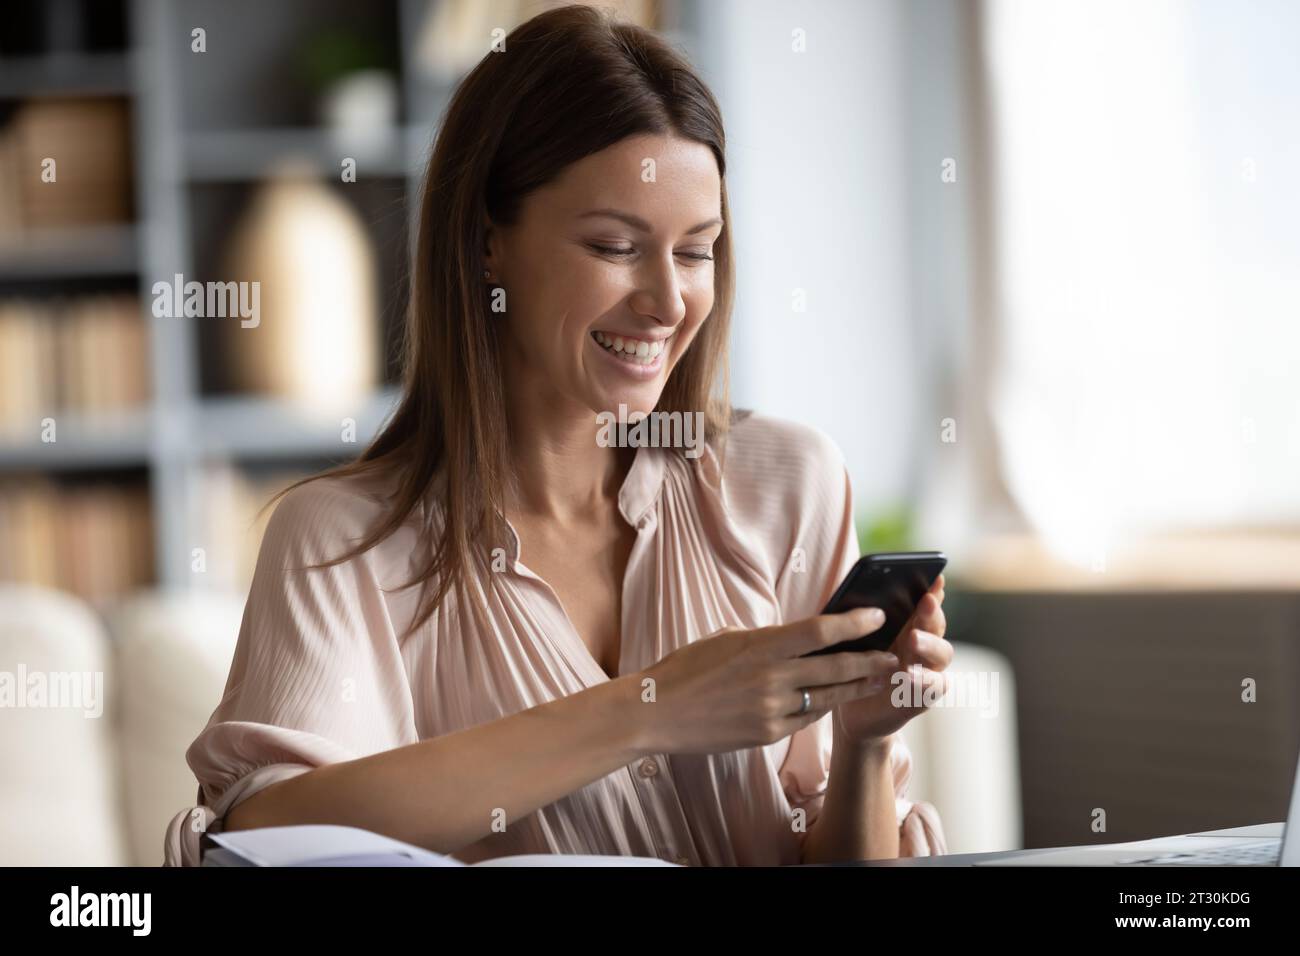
(496,634)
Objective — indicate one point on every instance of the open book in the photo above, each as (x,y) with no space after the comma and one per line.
(322,845)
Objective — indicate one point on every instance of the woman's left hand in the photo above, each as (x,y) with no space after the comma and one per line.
(923,656)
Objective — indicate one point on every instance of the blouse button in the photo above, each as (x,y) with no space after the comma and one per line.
(648,767)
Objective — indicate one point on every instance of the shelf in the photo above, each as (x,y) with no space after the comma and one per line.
(1240,561)
(250,427)
(65,74)
(108,250)
(242,427)
(84,441)
(250,154)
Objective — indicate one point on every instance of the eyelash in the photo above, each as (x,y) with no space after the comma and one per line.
(612,251)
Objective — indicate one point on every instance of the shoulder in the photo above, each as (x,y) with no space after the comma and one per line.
(325,516)
(782,456)
(784,482)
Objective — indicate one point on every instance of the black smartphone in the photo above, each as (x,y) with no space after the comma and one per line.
(895,583)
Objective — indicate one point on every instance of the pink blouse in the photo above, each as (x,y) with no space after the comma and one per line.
(319,674)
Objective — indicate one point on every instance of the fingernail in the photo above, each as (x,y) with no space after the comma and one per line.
(877,615)
(892,660)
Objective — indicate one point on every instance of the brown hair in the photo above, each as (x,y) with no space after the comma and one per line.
(571,82)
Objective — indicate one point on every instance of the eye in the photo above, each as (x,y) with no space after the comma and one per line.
(611,250)
(620,252)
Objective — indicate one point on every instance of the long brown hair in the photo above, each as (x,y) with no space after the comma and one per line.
(570,82)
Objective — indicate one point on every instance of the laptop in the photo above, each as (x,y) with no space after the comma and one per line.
(1213,848)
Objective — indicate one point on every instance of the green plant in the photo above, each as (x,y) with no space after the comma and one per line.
(887,529)
(332,54)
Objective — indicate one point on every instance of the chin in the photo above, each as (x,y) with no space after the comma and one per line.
(636,403)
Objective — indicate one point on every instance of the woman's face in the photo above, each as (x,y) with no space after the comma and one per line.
(608,274)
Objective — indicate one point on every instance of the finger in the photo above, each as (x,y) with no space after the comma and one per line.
(935,685)
(824,630)
(930,602)
(918,646)
(919,688)
(927,616)
(840,668)
(832,695)
(930,618)
(926,648)
(937,588)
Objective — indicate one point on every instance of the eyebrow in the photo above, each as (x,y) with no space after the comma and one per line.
(636,222)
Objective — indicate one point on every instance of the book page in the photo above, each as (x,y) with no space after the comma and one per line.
(307,845)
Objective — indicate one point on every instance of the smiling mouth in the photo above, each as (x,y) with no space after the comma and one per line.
(639,351)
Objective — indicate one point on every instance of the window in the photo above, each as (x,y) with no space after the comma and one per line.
(1145,163)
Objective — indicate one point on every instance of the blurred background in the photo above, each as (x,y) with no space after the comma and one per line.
(1032,266)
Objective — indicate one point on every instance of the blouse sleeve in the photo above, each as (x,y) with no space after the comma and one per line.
(824,547)
(317,675)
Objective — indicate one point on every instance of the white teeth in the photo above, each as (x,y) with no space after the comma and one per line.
(631,350)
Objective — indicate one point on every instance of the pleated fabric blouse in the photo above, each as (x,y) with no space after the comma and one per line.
(765,542)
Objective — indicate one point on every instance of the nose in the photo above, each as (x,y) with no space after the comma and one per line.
(659,292)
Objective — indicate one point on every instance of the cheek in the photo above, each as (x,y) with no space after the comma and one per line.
(580,295)
(700,289)
(699,303)
(544,322)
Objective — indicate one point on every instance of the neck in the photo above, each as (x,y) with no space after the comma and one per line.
(561,474)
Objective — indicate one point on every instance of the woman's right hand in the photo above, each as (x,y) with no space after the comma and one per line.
(741,688)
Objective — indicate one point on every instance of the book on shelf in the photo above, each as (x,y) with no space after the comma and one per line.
(329,845)
(94,541)
(87,355)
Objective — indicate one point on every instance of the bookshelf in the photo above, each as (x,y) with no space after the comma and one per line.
(205,128)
